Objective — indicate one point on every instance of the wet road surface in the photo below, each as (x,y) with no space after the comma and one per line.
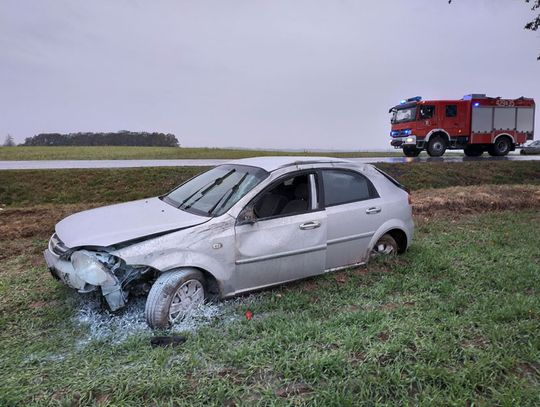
(64,164)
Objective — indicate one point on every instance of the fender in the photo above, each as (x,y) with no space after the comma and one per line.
(428,136)
(385,228)
(190,259)
(504,135)
(210,248)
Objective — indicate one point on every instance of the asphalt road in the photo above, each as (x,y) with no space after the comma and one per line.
(63,164)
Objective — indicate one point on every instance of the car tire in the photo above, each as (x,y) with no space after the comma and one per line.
(501,147)
(473,151)
(522,152)
(172,295)
(385,246)
(411,151)
(436,146)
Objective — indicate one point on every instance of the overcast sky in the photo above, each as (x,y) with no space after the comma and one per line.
(313,74)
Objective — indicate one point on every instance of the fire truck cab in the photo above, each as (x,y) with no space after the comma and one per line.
(476,123)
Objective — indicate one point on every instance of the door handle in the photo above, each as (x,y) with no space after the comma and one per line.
(371,211)
(310,225)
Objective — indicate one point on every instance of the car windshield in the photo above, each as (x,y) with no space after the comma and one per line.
(404,115)
(213,192)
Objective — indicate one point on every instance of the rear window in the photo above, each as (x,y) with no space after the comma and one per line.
(341,187)
(393,180)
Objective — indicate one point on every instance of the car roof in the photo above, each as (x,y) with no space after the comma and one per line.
(275,162)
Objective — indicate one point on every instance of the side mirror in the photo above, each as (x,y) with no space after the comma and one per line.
(247,216)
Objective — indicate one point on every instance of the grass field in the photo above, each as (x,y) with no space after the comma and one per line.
(454,321)
(132,153)
(34,187)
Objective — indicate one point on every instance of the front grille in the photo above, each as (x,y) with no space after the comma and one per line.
(57,246)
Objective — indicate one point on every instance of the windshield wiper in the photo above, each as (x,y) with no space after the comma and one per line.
(204,190)
(231,193)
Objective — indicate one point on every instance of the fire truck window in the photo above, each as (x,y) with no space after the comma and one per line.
(426,112)
(451,110)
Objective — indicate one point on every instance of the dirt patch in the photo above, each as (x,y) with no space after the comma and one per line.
(473,199)
(361,271)
(478,341)
(341,277)
(527,370)
(295,389)
(35,222)
(357,358)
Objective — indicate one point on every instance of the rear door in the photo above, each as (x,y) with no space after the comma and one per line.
(287,241)
(354,211)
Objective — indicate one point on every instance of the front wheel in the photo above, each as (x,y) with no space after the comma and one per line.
(411,151)
(174,294)
(436,146)
(385,246)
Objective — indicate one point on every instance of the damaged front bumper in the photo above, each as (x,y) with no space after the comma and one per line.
(62,268)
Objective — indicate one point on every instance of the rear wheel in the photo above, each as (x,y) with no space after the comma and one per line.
(501,147)
(473,151)
(385,246)
(411,151)
(174,294)
(436,146)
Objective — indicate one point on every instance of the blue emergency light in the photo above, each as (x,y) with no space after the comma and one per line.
(415,99)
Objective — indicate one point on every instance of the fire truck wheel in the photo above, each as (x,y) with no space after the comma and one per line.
(436,146)
(411,151)
(473,151)
(501,147)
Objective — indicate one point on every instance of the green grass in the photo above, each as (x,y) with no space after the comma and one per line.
(34,187)
(132,153)
(454,321)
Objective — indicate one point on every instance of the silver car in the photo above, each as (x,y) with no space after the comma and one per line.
(238,227)
(531,148)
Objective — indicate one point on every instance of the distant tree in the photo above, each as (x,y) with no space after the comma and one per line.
(9,142)
(534,24)
(120,138)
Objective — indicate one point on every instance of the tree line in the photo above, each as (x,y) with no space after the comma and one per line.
(120,138)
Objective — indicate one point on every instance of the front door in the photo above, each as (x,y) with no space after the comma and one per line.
(454,120)
(287,240)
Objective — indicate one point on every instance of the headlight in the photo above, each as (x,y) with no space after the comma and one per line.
(410,140)
(88,268)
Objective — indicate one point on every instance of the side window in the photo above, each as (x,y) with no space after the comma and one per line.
(288,197)
(342,187)
(427,111)
(451,110)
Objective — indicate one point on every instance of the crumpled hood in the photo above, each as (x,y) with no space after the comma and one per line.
(114,224)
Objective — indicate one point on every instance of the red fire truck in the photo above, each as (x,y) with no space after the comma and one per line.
(476,123)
